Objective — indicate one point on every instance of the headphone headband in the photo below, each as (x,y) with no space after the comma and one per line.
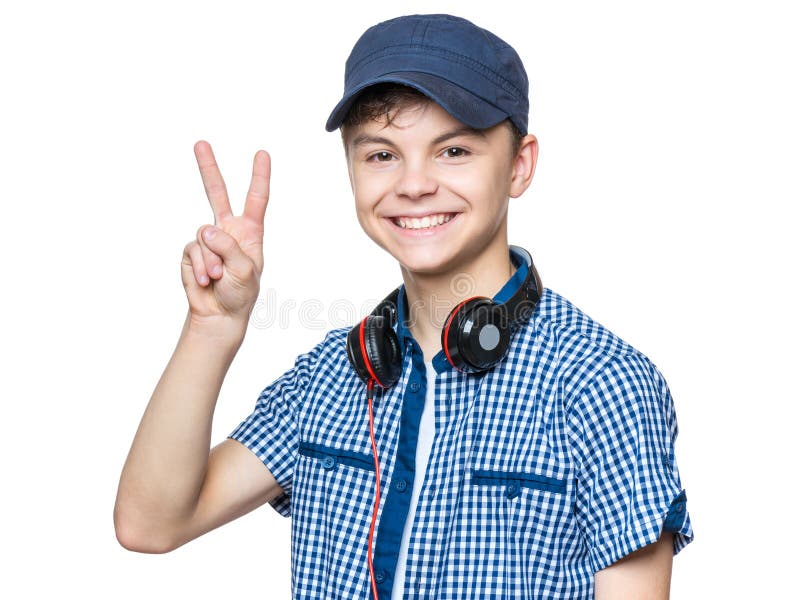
(387,307)
(525,299)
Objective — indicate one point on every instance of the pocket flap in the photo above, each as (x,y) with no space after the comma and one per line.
(528,480)
(332,456)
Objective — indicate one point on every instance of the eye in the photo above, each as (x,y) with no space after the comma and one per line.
(455,152)
(382,156)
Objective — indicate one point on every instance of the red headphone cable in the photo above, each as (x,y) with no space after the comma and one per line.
(370,385)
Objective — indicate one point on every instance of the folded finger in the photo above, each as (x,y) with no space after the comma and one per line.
(237,263)
(198,266)
(212,261)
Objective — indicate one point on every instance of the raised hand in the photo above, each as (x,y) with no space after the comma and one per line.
(221,268)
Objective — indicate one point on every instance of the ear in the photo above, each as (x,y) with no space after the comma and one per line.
(524,166)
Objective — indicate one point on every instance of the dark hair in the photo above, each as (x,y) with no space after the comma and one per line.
(385,100)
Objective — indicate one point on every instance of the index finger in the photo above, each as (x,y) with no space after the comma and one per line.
(212,180)
(258,195)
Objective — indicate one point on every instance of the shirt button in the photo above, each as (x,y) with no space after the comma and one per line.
(401,485)
(380,576)
(414,386)
(328,462)
(512,490)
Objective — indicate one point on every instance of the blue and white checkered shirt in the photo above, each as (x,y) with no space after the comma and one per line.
(544,470)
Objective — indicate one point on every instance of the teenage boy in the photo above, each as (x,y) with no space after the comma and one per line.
(507,446)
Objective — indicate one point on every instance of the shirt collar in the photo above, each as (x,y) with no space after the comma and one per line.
(440,362)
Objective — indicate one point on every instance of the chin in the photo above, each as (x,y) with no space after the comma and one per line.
(424,260)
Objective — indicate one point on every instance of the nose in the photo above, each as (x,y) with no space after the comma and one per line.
(414,180)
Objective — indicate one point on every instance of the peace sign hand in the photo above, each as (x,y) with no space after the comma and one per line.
(221,269)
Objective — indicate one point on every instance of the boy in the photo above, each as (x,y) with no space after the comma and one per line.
(502,447)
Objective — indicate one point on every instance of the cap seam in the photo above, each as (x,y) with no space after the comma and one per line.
(471,63)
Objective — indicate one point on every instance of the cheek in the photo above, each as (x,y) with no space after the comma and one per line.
(367,189)
(362,213)
(365,202)
(368,194)
(483,189)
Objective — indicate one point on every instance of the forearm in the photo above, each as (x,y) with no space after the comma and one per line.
(166,465)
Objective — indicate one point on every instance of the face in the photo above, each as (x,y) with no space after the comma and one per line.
(429,191)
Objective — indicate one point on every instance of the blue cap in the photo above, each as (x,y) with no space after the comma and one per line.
(470,72)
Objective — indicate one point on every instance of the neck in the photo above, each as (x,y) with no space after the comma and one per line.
(431,296)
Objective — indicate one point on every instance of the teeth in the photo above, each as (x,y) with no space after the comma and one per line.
(423,223)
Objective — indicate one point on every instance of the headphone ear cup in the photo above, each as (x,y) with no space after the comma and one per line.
(380,358)
(383,351)
(452,332)
(476,335)
(354,353)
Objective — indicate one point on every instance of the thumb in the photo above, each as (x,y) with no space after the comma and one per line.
(237,263)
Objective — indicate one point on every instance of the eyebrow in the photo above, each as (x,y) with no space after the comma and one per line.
(363,138)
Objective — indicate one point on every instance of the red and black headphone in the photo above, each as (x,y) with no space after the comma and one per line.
(475,337)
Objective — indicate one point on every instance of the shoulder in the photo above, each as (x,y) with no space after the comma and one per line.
(559,318)
(331,350)
(334,340)
(326,357)
(579,350)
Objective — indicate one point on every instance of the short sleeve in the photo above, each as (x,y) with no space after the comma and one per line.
(271,430)
(628,489)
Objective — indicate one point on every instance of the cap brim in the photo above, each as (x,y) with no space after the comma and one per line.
(462,105)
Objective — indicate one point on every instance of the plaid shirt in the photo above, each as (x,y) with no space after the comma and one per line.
(544,470)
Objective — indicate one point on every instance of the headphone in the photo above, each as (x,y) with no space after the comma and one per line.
(475,337)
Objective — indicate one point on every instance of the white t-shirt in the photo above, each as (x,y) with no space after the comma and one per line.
(424,443)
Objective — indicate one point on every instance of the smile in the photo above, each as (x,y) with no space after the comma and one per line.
(426,222)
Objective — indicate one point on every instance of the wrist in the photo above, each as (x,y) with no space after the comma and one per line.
(227,331)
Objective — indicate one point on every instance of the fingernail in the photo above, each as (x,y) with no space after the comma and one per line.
(209,233)
(216,270)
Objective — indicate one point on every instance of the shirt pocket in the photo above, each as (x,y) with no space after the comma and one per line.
(513,521)
(522,508)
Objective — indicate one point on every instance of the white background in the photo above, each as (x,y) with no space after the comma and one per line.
(662,206)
